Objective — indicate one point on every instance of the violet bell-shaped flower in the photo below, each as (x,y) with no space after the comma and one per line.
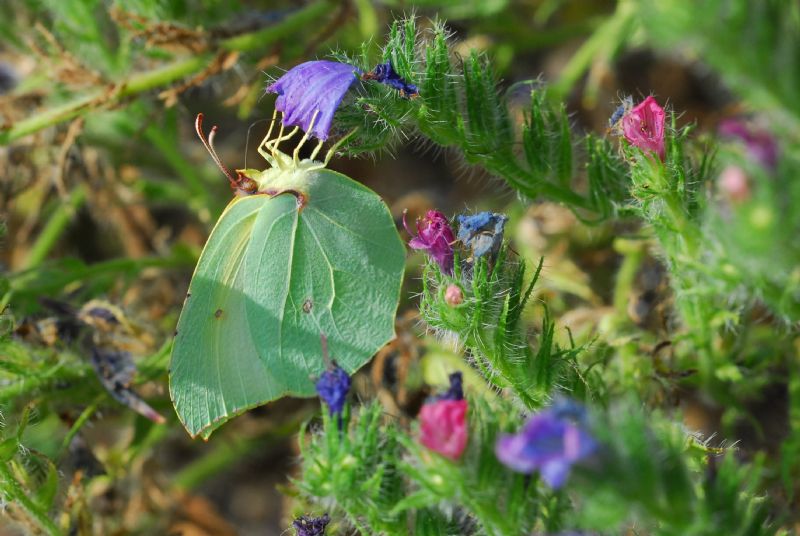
(550,442)
(643,126)
(313,88)
(434,237)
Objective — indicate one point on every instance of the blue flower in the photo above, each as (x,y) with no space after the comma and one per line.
(385,74)
(550,442)
(311,526)
(313,87)
(483,232)
(332,387)
(456,390)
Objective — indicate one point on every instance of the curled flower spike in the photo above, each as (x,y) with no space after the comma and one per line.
(483,232)
(435,237)
(443,421)
(643,126)
(550,442)
(385,74)
(760,145)
(313,88)
(311,526)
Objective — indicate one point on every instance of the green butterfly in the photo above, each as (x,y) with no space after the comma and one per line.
(301,251)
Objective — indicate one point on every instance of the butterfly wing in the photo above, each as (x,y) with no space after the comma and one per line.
(270,280)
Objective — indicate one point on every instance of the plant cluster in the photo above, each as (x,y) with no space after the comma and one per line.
(526,420)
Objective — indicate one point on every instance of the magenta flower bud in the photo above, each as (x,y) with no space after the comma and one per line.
(443,420)
(435,237)
(760,145)
(643,126)
(733,184)
(313,87)
(443,427)
(453,295)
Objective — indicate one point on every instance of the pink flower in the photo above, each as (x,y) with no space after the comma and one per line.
(443,427)
(435,237)
(733,183)
(643,127)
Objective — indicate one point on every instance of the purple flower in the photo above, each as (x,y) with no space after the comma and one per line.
(311,87)
(643,126)
(311,526)
(332,387)
(483,232)
(760,145)
(435,237)
(385,74)
(550,442)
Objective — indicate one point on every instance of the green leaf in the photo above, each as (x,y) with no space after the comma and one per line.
(272,278)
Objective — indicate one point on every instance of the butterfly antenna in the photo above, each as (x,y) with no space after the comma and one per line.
(209,145)
(296,154)
(247,139)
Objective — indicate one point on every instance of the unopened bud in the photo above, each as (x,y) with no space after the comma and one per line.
(453,295)
(733,183)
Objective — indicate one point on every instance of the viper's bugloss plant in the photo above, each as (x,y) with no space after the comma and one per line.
(611,350)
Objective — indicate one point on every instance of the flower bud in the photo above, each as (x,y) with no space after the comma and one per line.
(453,295)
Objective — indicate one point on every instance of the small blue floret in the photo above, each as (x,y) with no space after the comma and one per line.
(332,387)
(483,232)
(385,74)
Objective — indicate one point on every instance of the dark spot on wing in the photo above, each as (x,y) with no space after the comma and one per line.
(307,305)
(218,313)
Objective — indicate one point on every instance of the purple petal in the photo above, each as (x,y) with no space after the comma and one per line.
(555,473)
(510,449)
(310,87)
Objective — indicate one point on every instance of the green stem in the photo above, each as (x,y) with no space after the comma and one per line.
(55,228)
(82,419)
(14,491)
(507,167)
(633,253)
(165,75)
(605,40)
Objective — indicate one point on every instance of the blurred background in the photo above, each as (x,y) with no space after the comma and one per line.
(106,194)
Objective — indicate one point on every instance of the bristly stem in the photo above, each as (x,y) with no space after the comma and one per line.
(14,491)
